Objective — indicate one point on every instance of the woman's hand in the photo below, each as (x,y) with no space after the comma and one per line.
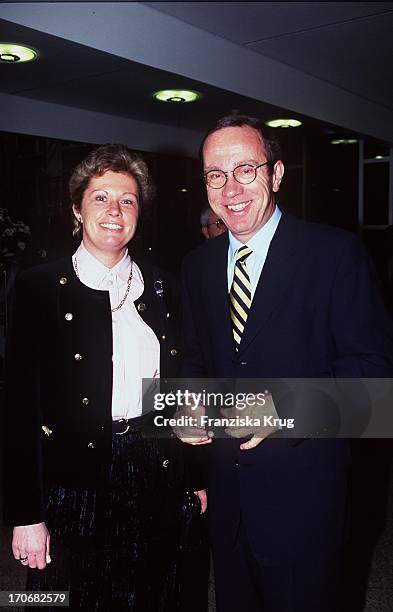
(30,545)
(202,496)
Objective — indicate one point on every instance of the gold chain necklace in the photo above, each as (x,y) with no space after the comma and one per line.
(127,289)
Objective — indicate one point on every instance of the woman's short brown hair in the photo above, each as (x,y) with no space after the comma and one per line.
(114,157)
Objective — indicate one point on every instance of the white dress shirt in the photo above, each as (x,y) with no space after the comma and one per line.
(259,244)
(136,350)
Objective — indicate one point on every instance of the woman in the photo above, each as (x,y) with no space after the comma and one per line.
(102,510)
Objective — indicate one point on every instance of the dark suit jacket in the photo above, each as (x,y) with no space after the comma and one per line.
(59,377)
(315,313)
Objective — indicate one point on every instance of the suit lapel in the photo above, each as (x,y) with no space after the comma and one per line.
(281,262)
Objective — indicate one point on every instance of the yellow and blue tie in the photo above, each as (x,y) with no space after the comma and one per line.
(240,294)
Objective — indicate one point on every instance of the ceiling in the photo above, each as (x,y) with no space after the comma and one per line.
(324,62)
(348,44)
(75,75)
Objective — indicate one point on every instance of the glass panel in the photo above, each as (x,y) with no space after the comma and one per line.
(374,149)
(332,183)
(376,194)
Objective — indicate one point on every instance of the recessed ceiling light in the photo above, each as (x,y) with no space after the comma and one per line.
(339,141)
(379,157)
(283,123)
(184,189)
(16,54)
(176,95)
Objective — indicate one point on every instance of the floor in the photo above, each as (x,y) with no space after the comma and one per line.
(368,579)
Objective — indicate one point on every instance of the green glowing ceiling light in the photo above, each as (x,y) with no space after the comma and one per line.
(339,141)
(184,190)
(379,157)
(283,123)
(176,95)
(16,54)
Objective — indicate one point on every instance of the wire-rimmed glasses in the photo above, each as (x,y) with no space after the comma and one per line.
(244,174)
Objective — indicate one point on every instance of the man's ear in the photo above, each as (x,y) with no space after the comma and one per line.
(278,173)
(205,232)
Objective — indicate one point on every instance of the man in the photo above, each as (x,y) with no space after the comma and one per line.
(211,225)
(278,507)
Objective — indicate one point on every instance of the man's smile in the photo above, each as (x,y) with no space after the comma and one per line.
(239,207)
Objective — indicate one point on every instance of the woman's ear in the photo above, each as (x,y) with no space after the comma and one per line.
(77,213)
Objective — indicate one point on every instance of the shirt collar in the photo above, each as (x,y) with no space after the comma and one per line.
(95,272)
(262,238)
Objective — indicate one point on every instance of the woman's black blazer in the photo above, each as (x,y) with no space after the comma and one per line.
(57,417)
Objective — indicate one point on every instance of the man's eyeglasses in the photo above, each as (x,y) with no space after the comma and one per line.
(219,223)
(244,174)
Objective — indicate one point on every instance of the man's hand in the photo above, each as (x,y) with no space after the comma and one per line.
(190,428)
(31,545)
(262,421)
(202,496)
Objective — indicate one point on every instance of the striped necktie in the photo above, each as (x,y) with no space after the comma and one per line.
(240,294)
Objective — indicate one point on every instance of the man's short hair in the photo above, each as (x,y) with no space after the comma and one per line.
(235,119)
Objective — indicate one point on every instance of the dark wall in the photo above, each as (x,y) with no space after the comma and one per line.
(34,188)
(320,184)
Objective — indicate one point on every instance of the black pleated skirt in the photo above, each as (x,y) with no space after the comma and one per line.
(139,545)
